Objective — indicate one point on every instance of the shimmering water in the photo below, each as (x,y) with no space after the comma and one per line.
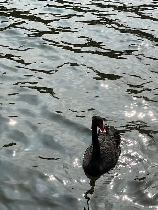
(60,63)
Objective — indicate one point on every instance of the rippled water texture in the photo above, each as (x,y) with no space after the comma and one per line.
(60,63)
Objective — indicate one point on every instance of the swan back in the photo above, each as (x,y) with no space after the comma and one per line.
(109,144)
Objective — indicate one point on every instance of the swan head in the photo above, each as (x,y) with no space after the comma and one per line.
(98,121)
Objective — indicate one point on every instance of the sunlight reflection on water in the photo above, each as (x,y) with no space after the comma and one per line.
(12,122)
(61,63)
(76,163)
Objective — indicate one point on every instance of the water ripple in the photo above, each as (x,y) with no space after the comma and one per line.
(63,61)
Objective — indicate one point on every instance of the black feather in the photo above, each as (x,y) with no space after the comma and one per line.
(109,150)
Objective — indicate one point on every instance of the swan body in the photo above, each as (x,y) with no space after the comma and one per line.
(103,153)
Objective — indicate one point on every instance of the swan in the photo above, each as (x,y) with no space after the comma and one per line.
(102,155)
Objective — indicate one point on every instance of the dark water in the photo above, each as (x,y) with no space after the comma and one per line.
(60,63)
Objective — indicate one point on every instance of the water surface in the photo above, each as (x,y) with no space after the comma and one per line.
(61,62)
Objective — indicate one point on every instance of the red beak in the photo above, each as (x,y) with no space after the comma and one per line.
(101,126)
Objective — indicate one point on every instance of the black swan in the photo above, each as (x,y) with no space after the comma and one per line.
(103,153)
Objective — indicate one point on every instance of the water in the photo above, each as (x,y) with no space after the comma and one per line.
(62,62)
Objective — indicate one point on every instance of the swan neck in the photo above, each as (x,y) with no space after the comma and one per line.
(95,142)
